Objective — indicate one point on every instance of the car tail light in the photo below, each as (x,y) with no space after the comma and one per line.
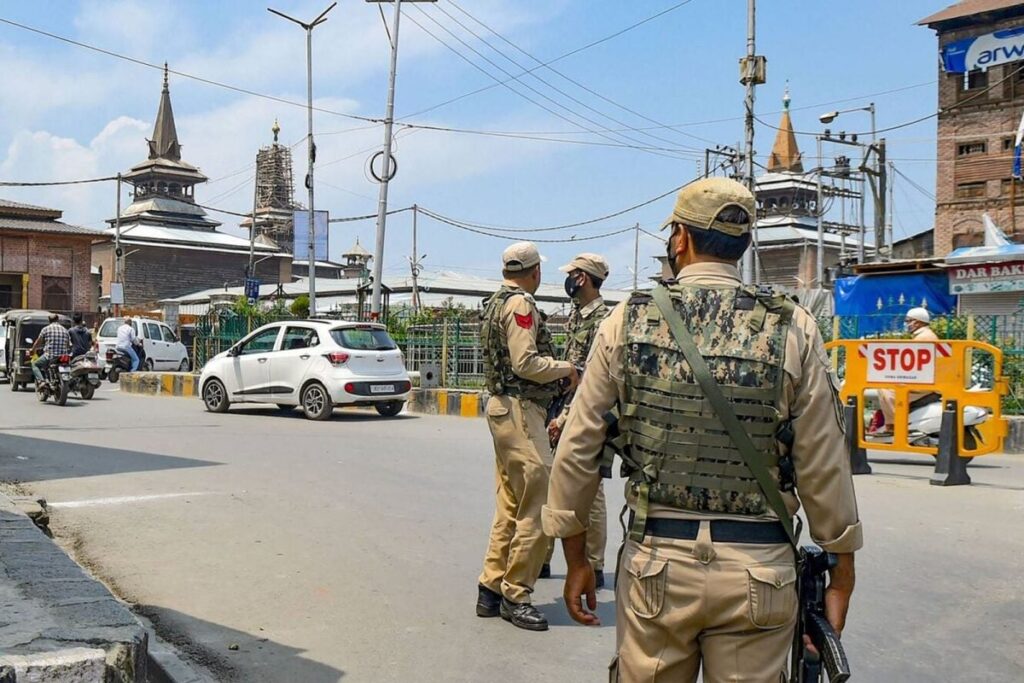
(337,357)
(350,388)
(110,354)
(404,387)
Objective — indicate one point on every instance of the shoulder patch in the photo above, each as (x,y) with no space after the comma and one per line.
(524,321)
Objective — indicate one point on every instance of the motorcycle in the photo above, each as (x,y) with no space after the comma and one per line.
(925,421)
(118,361)
(56,381)
(85,375)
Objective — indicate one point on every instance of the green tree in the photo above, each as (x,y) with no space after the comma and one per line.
(300,307)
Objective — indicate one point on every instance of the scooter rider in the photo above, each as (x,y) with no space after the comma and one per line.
(55,342)
(127,340)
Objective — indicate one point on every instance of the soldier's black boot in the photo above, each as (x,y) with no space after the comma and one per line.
(598,578)
(487,602)
(545,571)
(523,615)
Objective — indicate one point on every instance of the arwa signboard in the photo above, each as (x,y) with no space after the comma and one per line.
(987,277)
(982,52)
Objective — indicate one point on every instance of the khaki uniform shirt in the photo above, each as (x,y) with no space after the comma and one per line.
(810,399)
(924,334)
(520,320)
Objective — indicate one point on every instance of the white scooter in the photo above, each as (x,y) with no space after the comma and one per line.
(925,421)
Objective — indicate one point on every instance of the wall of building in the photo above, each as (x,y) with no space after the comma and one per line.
(50,255)
(795,266)
(971,117)
(155,273)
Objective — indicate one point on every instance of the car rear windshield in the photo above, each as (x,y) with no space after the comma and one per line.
(110,327)
(363,339)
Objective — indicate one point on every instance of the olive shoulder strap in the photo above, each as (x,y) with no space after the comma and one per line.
(722,409)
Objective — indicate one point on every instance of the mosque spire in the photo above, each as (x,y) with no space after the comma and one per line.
(785,156)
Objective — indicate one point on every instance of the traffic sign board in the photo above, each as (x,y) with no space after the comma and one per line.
(901,362)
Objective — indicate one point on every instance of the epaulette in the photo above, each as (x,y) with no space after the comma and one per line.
(639,298)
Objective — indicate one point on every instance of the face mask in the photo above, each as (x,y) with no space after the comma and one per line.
(572,287)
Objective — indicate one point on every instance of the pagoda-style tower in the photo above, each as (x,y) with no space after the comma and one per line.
(357,261)
(164,184)
(275,195)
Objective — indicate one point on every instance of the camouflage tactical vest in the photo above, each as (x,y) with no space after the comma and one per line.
(677,446)
(499,378)
(581,332)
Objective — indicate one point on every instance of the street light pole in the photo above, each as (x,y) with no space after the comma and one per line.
(819,273)
(310,146)
(117,246)
(750,79)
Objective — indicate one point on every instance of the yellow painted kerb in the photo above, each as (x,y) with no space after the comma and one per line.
(442,402)
(167,384)
(469,405)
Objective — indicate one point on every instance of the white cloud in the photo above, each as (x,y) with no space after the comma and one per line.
(139,28)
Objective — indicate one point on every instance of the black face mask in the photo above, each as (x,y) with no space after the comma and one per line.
(572,287)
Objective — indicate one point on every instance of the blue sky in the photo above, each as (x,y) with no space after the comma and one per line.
(68,113)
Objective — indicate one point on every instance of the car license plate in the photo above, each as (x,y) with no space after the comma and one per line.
(382,388)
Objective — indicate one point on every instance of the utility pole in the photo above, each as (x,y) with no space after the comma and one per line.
(882,189)
(889,209)
(386,172)
(752,74)
(117,246)
(636,257)
(310,145)
(414,262)
(249,273)
(819,272)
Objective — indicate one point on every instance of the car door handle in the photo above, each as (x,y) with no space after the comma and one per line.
(304,356)
(262,360)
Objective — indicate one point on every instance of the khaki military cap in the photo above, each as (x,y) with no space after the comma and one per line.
(592,264)
(520,256)
(700,202)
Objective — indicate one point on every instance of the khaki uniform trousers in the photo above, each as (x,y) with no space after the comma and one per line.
(887,402)
(517,544)
(729,609)
(597,532)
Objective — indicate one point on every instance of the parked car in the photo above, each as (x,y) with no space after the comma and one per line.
(23,327)
(315,364)
(164,351)
(3,349)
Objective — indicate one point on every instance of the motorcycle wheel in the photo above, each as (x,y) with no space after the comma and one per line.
(114,375)
(62,394)
(42,394)
(87,391)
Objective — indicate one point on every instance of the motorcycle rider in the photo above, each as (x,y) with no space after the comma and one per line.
(55,342)
(917,323)
(81,337)
(127,340)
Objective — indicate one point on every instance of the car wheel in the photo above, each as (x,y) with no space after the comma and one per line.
(87,391)
(184,366)
(148,365)
(316,402)
(215,396)
(389,409)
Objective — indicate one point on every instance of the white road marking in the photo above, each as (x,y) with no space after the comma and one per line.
(122,500)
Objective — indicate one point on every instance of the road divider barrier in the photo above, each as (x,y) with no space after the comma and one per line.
(962,380)
(160,383)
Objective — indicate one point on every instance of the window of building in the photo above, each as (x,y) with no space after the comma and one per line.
(976,80)
(965,149)
(6,297)
(56,293)
(970,190)
(1007,144)
(968,239)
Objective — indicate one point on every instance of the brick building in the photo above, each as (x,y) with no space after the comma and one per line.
(44,263)
(981,98)
(169,245)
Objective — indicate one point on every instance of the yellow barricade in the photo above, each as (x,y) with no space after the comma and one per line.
(908,367)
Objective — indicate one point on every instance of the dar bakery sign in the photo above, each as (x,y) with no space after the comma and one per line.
(987,277)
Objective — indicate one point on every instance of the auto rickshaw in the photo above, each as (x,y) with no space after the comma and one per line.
(23,328)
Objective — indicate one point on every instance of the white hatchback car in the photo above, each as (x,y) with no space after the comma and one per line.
(316,364)
(164,351)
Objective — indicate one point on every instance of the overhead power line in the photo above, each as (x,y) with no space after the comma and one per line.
(49,183)
(514,238)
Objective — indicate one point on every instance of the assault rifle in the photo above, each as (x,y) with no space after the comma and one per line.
(557,404)
(807,666)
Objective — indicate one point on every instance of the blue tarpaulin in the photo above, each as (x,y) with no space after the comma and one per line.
(879,299)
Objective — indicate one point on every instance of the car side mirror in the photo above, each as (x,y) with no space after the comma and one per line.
(234,351)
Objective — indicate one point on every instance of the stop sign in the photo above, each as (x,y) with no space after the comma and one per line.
(900,362)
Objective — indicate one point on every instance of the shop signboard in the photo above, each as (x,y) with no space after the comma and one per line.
(979,278)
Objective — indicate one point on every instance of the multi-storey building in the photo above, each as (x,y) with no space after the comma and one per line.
(981,99)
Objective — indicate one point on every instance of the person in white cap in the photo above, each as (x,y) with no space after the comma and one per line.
(522,377)
(918,323)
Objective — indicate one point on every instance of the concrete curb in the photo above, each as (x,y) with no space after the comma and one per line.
(1014,441)
(160,383)
(59,623)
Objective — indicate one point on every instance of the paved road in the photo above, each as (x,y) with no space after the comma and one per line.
(350,549)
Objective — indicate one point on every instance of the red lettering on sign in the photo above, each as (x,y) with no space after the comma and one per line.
(879,359)
(924,357)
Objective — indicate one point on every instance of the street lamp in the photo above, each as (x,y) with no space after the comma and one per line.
(310,146)
(386,172)
(831,116)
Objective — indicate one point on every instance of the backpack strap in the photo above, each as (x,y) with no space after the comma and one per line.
(723,410)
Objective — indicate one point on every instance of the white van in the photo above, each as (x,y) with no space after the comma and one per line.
(164,351)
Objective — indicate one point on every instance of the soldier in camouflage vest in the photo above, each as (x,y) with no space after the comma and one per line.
(729,412)
(522,377)
(585,275)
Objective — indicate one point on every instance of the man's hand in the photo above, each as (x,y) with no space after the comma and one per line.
(840,587)
(579,581)
(572,381)
(554,432)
